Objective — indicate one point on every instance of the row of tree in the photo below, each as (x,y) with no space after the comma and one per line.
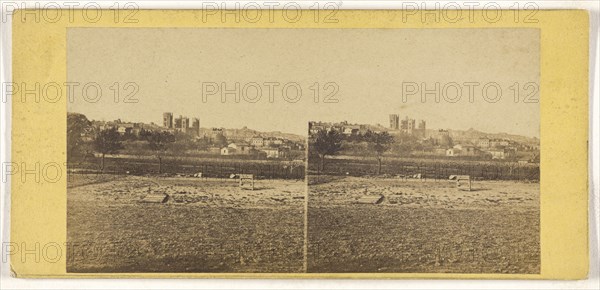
(330,142)
(109,141)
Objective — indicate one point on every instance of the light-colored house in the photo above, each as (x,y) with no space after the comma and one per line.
(272,141)
(498,154)
(227,151)
(124,130)
(316,128)
(483,143)
(240,148)
(470,151)
(276,152)
(499,143)
(351,130)
(452,152)
(272,153)
(257,141)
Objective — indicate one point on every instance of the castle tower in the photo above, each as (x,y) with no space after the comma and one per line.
(168,120)
(196,126)
(394,121)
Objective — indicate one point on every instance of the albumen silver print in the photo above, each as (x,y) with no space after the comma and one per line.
(237,150)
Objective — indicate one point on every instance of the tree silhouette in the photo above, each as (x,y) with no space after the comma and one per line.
(77,124)
(159,142)
(380,143)
(327,143)
(108,141)
(220,140)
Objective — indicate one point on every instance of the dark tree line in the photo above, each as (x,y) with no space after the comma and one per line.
(330,142)
(326,143)
(77,125)
(159,142)
(107,142)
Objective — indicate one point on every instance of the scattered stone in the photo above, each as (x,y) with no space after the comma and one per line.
(280,199)
(371,199)
(494,200)
(156,198)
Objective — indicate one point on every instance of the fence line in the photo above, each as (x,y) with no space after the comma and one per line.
(430,169)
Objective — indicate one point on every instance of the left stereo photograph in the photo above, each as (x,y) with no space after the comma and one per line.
(164,179)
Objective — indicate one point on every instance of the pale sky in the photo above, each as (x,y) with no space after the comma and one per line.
(368,67)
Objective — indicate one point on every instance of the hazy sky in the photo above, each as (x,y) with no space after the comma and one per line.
(368,67)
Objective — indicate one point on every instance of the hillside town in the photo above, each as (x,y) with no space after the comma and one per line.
(194,139)
(413,139)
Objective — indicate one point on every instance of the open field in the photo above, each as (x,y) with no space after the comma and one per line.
(422,226)
(208,225)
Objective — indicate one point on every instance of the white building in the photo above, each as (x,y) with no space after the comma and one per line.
(275,153)
(257,141)
(240,148)
(483,143)
(498,154)
(452,152)
(227,151)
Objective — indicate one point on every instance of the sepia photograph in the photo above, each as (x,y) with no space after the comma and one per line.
(405,198)
(438,169)
(160,181)
(202,150)
(177,197)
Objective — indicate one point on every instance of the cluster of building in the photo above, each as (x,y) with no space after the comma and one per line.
(124,128)
(181,124)
(239,141)
(438,142)
(496,152)
(242,141)
(271,147)
(496,148)
(342,127)
(445,144)
(408,126)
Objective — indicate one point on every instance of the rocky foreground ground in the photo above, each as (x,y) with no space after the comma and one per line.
(213,225)
(206,225)
(422,226)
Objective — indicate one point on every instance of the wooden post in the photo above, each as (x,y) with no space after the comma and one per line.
(460,178)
